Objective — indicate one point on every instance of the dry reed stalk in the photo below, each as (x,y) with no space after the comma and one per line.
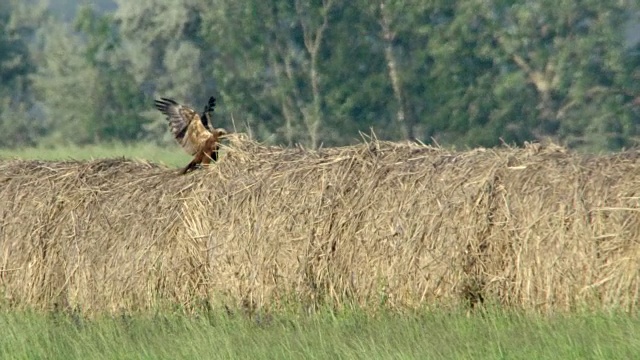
(397,224)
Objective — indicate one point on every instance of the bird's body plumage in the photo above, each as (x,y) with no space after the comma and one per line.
(194,132)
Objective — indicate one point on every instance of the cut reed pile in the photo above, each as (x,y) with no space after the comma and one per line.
(392,224)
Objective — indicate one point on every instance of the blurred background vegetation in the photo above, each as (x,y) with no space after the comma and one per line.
(460,73)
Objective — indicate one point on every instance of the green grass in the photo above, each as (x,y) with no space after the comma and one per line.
(434,335)
(172,156)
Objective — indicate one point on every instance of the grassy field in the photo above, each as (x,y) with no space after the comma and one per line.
(325,336)
(172,156)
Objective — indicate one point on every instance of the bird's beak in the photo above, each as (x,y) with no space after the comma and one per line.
(221,132)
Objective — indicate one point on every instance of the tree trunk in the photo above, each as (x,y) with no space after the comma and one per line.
(388,36)
(312,42)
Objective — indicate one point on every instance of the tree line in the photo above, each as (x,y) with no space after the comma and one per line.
(317,72)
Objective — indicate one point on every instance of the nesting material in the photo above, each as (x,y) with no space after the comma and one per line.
(394,224)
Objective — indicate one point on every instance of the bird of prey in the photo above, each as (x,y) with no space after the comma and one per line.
(195,133)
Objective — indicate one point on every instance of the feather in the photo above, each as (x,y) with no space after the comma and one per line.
(193,132)
(206,114)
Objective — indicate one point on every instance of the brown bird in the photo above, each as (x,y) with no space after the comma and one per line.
(193,132)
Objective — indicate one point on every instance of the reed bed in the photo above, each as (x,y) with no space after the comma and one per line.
(378,224)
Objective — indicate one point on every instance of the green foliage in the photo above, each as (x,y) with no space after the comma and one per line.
(17,27)
(465,73)
(86,85)
(67,87)
(325,335)
(14,57)
(166,56)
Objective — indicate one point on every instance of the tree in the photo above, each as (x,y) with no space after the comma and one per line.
(270,64)
(67,87)
(314,27)
(162,44)
(86,85)
(572,55)
(467,73)
(118,113)
(19,124)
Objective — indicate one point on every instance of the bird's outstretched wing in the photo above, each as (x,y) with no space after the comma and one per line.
(186,125)
(206,114)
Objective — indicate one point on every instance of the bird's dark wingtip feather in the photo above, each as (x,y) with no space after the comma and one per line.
(161,106)
(169,100)
(164,103)
(210,105)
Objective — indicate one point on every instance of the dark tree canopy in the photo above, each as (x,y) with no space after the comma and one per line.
(464,73)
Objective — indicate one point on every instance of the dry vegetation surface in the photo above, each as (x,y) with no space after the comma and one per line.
(393,224)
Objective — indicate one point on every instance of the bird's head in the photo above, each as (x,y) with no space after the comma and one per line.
(220,132)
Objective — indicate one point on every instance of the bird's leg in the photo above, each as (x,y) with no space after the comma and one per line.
(214,155)
(194,163)
(206,160)
(190,166)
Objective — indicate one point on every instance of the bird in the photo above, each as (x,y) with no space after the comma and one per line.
(194,132)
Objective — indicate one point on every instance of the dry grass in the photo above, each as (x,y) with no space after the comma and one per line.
(402,225)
